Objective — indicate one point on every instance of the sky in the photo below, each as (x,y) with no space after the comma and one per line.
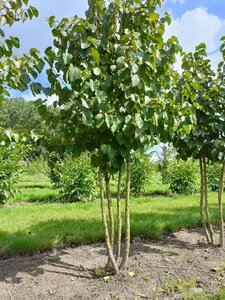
(193,22)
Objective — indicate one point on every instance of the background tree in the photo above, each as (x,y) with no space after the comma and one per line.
(109,72)
(203,140)
(141,172)
(182,176)
(17,113)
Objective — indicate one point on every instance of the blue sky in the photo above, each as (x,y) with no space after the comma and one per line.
(179,7)
(193,21)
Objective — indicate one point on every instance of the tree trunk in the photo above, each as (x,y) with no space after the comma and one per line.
(119,222)
(220,201)
(110,209)
(127,215)
(106,230)
(211,232)
(202,196)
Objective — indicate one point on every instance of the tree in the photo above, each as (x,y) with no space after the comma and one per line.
(14,70)
(203,138)
(16,113)
(109,71)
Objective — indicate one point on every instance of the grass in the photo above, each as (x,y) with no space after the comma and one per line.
(40,223)
(34,188)
(34,184)
(33,227)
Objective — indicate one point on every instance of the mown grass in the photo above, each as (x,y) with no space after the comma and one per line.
(34,184)
(34,188)
(33,227)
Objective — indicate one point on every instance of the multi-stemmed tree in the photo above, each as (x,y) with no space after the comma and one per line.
(109,71)
(198,86)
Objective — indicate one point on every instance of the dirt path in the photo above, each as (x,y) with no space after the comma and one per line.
(158,270)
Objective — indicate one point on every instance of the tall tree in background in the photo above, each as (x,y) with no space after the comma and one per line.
(19,114)
(109,72)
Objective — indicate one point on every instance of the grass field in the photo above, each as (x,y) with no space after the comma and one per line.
(34,221)
(33,227)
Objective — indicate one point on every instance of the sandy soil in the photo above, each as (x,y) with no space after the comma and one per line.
(157,270)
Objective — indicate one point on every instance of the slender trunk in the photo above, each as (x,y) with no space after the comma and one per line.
(127,215)
(106,230)
(220,201)
(211,232)
(119,222)
(202,196)
(110,209)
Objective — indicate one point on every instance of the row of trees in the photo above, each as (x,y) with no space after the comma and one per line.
(118,92)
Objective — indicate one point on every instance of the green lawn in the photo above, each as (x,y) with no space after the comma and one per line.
(34,184)
(39,223)
(34,188)
(34,227)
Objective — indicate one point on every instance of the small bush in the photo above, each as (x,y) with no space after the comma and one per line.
(214,171)
(9,170)
(141,171)
(182,177)
(77,178)
(53,160)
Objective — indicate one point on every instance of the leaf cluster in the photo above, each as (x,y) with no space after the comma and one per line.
(109,71)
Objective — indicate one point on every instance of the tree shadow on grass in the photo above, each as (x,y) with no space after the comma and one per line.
(44,236)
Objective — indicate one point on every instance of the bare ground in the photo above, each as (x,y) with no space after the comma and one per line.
(181,264)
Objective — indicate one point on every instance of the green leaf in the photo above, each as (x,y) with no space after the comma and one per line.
(139,121)
(135,80)
(97,71)
(121,138)
(25,79)
(95,55)
(36,88)
(73,73)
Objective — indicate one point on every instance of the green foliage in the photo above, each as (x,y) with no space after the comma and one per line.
(16,72)
(200,132)
(77,179)
(19,114)
(213,172)
(141,171)
(167,155)
(9,170)
(109,77)
(182,177)
(53,159)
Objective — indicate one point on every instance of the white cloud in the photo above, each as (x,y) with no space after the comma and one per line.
(36,33)
(197,26)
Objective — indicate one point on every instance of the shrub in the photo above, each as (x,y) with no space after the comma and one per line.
(77,178)
(141,171)
(9,170)
(167,155)
(214,171)
(53,161)
(182,177)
